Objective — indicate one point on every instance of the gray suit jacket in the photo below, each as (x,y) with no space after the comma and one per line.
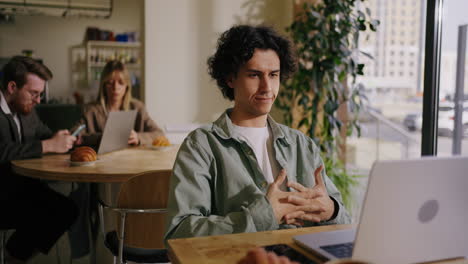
(33,131)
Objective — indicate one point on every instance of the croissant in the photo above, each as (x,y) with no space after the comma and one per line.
(161,141)
(83,154)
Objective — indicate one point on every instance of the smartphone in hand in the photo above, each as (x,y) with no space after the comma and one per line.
(78,130)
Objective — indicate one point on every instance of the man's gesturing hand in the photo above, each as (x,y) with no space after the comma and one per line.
(309,199)
(279,199)
(260,256)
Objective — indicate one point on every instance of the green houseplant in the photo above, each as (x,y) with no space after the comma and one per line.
(315,100)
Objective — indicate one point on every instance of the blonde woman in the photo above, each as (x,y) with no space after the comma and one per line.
(115,94)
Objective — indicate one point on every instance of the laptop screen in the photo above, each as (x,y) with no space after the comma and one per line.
(118,126)
(414,211)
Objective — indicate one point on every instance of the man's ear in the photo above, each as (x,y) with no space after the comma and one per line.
(11,87)
(229,81)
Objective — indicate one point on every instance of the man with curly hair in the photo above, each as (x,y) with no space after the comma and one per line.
(245,172)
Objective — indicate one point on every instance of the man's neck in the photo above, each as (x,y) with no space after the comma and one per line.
(245,120)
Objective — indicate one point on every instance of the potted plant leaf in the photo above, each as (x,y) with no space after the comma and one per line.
(316,99)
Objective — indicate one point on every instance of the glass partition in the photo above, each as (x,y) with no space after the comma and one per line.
(391,120)
(453,105)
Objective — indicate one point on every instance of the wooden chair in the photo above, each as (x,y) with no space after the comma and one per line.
(141,204)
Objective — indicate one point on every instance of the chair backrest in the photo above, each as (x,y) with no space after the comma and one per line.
(148,190)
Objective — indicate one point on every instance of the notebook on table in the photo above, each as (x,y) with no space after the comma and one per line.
(414,211)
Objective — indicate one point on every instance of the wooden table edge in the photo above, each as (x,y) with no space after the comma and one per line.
(184,242)
(78,177)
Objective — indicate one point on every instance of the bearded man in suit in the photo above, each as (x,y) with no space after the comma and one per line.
(38,214)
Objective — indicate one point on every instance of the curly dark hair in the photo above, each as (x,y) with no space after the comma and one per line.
(236,46)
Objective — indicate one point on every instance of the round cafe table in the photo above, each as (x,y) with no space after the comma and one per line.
(117,166)
(110,170)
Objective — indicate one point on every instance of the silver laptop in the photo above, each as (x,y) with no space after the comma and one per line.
(118,126)
(414,211)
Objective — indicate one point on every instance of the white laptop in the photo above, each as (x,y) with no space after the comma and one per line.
(118,126)
(414,211)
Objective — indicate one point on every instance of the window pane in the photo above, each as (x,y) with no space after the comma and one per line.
(392,119)
(454,16)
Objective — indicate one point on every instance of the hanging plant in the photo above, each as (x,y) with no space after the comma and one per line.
(326,35)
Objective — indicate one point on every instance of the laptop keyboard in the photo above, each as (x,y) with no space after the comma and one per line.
(344,250)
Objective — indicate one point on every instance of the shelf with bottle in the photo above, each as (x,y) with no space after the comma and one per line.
(106,43)
(89,59)
(98,56)
(102,64)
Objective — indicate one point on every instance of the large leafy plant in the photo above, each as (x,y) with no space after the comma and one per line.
(326,35)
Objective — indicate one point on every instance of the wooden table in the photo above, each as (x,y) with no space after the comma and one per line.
(117,166)
(231,248)
(109,171)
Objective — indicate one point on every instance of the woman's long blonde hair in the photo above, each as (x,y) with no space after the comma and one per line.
(110,67)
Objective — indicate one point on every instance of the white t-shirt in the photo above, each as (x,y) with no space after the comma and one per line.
(259,138)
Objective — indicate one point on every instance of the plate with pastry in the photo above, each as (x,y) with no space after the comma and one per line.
(81,164)
(83,156)
(161,143)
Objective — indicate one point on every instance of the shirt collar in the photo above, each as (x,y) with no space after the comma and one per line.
(223,127)
(4,104)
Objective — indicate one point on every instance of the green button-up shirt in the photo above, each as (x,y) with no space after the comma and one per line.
(217,186)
